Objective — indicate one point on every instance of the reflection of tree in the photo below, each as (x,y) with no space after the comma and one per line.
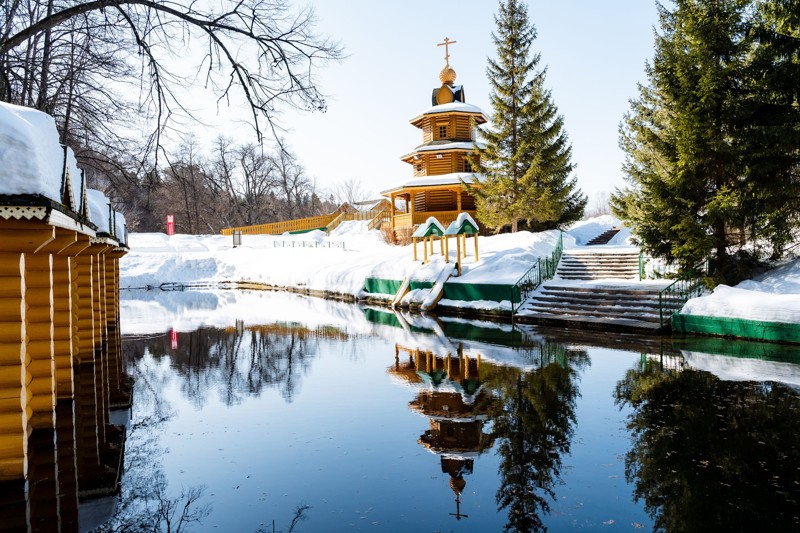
(712,455)
(533,427)
(145,503)
(236,361)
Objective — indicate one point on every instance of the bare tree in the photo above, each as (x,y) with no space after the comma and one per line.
(601,205)
(187,176)
(351,191)
(281,48)
(258,184)
(295,186)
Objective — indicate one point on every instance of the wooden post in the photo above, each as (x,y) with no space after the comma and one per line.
(13,403)
(446,250)
(476,247)
(414,240)
(392,210)
(441,245)
(425,248)
(458,253)
(39,326)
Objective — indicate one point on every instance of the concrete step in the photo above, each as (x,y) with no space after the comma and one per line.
(598,295)
(598,271)
(563,289)
(599,301)
(588,312)
(590,323)
(604,237)
(584,264)
(600,257)
(592,276)
(588,266)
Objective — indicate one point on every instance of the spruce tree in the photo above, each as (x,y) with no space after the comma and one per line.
(526,160)
(712,140)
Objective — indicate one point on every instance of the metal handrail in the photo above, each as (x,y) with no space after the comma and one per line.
(541,271)
(688,285)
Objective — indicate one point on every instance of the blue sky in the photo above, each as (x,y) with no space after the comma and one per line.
(594,51)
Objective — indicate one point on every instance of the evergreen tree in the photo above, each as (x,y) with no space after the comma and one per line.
(712,141)
(527,157)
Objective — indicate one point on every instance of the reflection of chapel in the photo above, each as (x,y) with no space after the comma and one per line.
(441,164)
(456,407)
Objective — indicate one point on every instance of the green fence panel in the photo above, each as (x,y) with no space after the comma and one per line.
(746,349)
(382,286)
(470,292)
(736,327)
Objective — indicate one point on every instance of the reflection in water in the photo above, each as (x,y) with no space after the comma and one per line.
(709,454)
(145,502)
(534,420)
(508,425)
(530,410)
(238,361)
(451,396)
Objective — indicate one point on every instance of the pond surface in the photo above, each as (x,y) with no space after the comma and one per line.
(254,410)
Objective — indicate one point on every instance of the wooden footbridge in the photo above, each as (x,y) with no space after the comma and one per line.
(376,214)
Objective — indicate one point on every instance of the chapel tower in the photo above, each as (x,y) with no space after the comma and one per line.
(441,165)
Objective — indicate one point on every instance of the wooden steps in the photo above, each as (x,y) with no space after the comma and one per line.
(587,265)
(597,289)
(604,237)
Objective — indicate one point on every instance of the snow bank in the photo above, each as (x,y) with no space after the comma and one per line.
(120,230)
(76,179)
(155,259)
(99,213)
(772,297)
(743,369)
(32,156)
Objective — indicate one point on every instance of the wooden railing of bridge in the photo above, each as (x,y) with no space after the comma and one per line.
(323,222)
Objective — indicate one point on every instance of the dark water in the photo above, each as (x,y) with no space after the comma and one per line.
(276,407)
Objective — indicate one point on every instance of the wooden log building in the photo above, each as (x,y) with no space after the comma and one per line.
(441,164)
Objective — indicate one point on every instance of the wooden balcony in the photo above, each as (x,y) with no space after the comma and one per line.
(409,220)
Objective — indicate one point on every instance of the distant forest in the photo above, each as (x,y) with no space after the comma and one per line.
(210,189)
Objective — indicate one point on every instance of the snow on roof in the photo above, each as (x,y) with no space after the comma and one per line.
(32,156)
(458,145)
(99,213)
(429,224)
(76,179)
(121,231)
(452,178)
(452,106)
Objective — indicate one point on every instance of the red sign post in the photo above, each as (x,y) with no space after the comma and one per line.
(173,339)
(170,225)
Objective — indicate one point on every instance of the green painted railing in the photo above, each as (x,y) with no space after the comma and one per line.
(543,270)
(672,297)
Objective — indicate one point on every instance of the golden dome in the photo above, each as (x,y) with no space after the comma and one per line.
(457,484)
(447,75)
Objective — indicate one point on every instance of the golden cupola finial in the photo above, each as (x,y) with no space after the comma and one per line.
(447,75)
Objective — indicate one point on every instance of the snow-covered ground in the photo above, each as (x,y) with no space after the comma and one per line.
(337,263)
(771,297)
(341,262)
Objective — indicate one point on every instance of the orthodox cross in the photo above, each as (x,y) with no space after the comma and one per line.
(447,42)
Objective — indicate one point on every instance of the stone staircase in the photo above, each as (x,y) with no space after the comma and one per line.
(604,237)
(584,264)
(597,289)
